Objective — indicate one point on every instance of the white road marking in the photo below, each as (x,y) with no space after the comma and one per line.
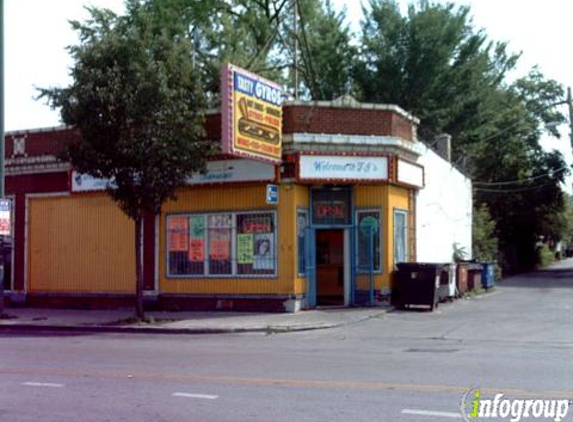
(43,384)
(196,396)
(431,413)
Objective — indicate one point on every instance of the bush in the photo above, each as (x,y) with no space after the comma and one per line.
(484,242)
(545,256)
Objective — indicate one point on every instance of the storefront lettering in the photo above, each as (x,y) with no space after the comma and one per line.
(364,167)
(330,210)
(339,167)
(256,225)
(258,89)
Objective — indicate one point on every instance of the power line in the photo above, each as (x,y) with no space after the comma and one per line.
(309,59)
(518,190)
(529,179)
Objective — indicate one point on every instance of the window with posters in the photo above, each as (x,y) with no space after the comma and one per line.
(222,244)
(178,245)
(256,243)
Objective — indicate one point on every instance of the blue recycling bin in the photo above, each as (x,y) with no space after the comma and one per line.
(488,274)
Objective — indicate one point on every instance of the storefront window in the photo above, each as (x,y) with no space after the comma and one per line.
(221,244)
(400,236)
(178,243)
(368,240)
(301,228)
(197,244)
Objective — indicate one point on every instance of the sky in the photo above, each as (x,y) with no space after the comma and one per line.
(37,32)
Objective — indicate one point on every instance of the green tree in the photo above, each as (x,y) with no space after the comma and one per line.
(484,241)
(259,36)
(138,103)
(434,63)
(326,50)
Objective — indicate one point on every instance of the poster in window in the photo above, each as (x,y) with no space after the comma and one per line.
(197,230)
(245,248)
(196,250)
(219,237)
(197,238)
(264,246)
(178,228)
(219,249)
(220,221)
(256,224)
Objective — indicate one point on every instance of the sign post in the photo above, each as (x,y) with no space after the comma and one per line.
(5,231)
(1,149)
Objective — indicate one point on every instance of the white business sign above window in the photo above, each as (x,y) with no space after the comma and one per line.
(335,167)
(410,174)
(224,171)
(87,183)
(234,171)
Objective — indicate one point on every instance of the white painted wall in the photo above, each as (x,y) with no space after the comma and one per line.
(443,210)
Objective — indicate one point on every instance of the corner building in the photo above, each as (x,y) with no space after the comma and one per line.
(325,227)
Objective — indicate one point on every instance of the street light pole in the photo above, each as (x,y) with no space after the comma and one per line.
(569,102)
(1,149)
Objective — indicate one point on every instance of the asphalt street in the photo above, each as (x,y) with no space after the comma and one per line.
(403,366)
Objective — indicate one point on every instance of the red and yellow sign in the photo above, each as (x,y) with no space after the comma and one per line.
(178,228)
(251,115)
(197,250)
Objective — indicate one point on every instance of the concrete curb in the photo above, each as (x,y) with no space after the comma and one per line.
(31,328)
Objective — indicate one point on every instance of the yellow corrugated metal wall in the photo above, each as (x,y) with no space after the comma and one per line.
(235,198)
(80,244)
(386,197)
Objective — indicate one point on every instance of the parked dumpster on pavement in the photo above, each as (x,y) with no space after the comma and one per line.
(447,289)
(418,284)
(462,278)
(474,276)
(488,274)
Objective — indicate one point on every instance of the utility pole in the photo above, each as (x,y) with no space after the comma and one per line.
(295,64)
(570,106)
(1,150)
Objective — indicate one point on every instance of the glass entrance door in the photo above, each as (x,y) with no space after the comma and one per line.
(330,267)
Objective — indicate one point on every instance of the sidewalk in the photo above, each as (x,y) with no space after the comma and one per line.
(121,321)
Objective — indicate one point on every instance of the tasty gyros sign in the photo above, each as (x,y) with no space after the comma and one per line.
(251,115)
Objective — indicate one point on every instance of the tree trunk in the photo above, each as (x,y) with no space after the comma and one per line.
(139,312)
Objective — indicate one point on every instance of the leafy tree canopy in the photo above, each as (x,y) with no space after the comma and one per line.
(137,100)
(138,103)
(433,62)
